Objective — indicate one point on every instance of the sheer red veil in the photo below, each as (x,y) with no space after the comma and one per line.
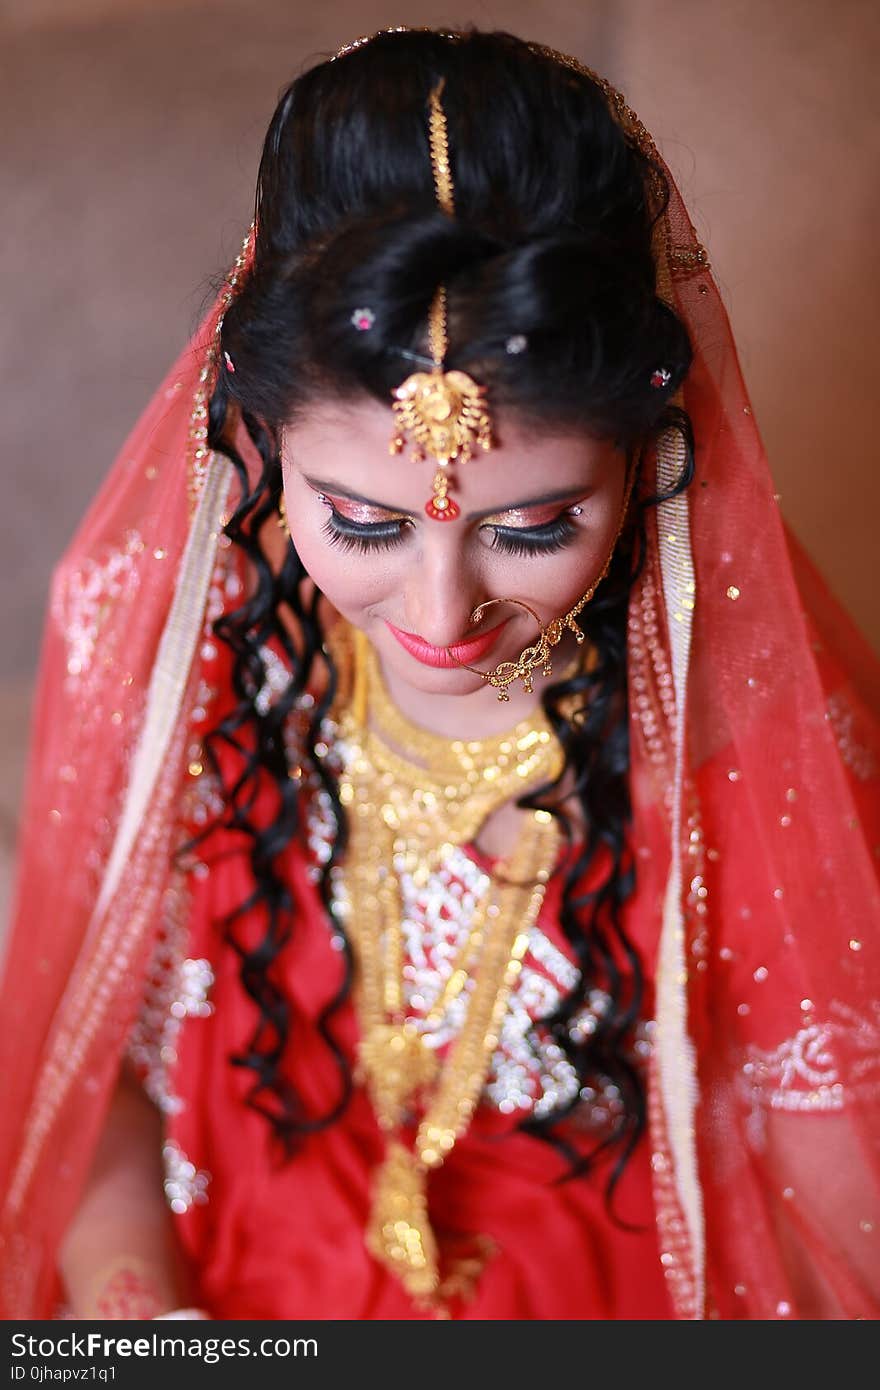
(754,742)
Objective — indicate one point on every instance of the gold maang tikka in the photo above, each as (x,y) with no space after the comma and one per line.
(443,412)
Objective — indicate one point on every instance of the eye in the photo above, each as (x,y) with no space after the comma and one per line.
(363,536)
(553,536)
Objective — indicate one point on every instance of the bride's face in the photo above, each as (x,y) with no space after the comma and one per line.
(538,517)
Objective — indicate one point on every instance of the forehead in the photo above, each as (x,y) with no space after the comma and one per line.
(347,442)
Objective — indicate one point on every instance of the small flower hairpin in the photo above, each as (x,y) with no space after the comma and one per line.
(363,319)
(661,376)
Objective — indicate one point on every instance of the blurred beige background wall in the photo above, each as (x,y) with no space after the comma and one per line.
(132,131)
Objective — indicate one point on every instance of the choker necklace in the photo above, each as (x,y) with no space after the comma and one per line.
(407,817)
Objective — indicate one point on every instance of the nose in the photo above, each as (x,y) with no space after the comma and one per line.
(441,592)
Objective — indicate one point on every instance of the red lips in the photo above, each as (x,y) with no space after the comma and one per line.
(448,658)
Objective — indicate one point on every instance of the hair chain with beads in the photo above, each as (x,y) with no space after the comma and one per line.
(442,413)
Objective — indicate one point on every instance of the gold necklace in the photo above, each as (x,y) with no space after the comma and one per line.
(407,818)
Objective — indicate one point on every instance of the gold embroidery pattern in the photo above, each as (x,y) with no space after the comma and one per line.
(89,595)
(177,988)
(803,1073)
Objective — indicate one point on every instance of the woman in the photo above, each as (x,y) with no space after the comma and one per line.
(475,911)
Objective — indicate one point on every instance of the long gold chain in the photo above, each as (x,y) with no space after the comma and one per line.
(439,142)
(405,819)
(442,169)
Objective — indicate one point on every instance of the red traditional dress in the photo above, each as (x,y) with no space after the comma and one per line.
(273,1239)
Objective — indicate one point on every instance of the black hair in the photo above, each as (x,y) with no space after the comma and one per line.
(556,205)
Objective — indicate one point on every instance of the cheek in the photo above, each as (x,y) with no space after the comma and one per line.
(351,581)
(554,585)
(551,589)
(572,574)
(580,567)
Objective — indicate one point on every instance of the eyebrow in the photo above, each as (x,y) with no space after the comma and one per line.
(559,495)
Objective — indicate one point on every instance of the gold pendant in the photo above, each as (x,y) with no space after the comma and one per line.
(399,1232)
(445,415)
(398,1065)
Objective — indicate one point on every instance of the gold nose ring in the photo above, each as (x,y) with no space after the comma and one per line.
(534,656)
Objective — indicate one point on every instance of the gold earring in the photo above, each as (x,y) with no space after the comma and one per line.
(282,516)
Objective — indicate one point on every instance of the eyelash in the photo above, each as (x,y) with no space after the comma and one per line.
(548,539)
(351,535)
(385,535)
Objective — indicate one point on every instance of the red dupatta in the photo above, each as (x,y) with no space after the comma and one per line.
(755,745)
